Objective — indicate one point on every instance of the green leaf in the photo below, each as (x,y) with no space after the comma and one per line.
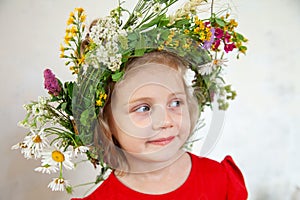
(132,36)
(242,48)
(154,21)
(239,36)
(220,22)
(87,116)
(70,89)
(64,106)
(117,76)
(180,23)
(140,46)
(163,21)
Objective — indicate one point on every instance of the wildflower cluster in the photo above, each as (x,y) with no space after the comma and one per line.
(218,36)
(73,39)
(61,126)
(105,35)
(52,137)
(226,36)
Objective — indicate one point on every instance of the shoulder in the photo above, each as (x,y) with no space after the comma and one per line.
(225,174)
(206,165)
(207,171)
(235,180)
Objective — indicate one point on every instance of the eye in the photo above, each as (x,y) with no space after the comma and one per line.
(142,109)
(175,103)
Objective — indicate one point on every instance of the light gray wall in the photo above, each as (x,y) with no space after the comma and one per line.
(262,126)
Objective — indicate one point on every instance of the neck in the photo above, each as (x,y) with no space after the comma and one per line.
(151,163)
(159,178)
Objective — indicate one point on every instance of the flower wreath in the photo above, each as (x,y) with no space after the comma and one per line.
(61,125)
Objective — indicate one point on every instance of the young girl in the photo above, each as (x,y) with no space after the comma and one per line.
(147,118)
(130,79)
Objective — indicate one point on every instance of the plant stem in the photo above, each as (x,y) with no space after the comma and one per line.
(212,7)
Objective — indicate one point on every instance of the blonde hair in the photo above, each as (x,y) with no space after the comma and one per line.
(112,152)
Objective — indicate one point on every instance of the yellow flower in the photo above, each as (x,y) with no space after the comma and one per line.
(62,55)
(73,31)
(102,98)
(233,23)
(172,32)
(202,36)
(71,19)
(196,18)
(201,25)
(99,103)
(61,48)
(197,30)
(71,15)
(81,60)
(82,18)
(176,43)
(74,70)
(170,38)
(79,10)
(186,46)
(160,48)
(67,39)
(186,31)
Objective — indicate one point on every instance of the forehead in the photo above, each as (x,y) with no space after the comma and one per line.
(150,74)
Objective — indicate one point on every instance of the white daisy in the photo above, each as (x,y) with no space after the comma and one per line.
(47,169)
(81,150)
(36,142)
(208,68)
(56,157)
(58,184)
(20,145)
(24,150)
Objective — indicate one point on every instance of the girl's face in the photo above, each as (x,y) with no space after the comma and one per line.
(150,112)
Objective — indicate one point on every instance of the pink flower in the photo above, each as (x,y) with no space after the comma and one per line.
(51,83)
(219,33)
(227,37)
(216,44)
(229,47)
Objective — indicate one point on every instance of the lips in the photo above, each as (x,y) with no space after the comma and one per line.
(161,141)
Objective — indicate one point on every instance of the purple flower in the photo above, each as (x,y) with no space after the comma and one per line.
(51,83)
(207,44)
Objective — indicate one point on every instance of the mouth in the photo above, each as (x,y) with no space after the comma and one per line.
(161,141)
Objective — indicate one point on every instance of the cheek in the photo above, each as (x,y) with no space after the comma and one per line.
(185,124)
(130,144)
(141,120)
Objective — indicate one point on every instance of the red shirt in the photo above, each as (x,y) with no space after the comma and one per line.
(208,180)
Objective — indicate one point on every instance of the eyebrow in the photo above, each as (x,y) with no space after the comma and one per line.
(139,99)
(148,98)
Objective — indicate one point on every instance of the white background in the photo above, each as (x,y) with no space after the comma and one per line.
(262,126)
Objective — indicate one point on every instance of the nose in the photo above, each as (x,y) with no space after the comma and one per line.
(161,118)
